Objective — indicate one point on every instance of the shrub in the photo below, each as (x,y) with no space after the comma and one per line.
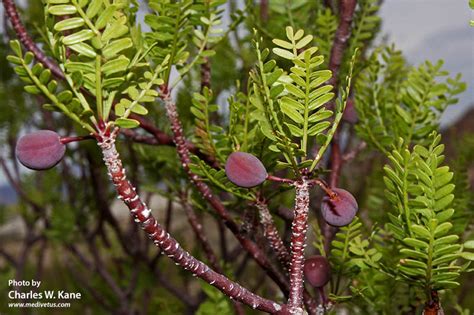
(152,98)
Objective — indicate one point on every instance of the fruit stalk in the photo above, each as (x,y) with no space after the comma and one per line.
(66,140)
(298,243)
(142,214)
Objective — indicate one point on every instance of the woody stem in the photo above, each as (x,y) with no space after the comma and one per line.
(159,236)
(298,243)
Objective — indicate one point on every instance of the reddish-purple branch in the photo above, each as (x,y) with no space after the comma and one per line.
(206,74)
(142,214)
(343,32)
(298,243)
(341,38)
(264,11)
(271,233)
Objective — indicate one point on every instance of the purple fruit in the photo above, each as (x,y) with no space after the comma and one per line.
(340,208)
(40,150)
(245,170)
(317,271)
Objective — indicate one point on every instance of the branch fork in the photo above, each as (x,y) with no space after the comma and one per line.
(161,238)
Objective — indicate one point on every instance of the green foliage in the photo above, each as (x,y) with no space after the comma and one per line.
(325,29)
(210,138)
(420,190)
(303,106)
(174,25)
(171,30)
(284,112)
(296,13)
(104,54)
(366,25)
(471,5)
(216,302)
(39,81)
(395,101)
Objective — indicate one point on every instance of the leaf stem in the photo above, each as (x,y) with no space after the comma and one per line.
(98,86)
(148,87)
(86,18)
(184,70)
(55,100)
(306,108)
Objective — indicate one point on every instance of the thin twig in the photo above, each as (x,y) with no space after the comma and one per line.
(271,233)
(264,11)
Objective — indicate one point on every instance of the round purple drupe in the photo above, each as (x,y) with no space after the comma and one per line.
(317,271)
(245,169)
(40,150)
(339,210)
